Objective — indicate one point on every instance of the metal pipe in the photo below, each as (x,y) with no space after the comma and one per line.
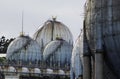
(99,65)
(99,45)
(86,67)
(86,56)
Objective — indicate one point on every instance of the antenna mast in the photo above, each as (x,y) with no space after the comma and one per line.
(22,22)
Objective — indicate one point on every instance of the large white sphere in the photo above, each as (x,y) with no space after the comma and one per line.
(23,50)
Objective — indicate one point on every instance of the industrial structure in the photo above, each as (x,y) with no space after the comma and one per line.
(98,44)
(81,59)
(46,56)
(77,59)
(56,43)
(51,55)
(101,35)
(24,51)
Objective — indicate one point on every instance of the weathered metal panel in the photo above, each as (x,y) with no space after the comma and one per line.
(102,21)
(24,50)
(76,60)
(52,30)
(57,54)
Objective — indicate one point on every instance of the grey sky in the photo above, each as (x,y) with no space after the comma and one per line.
(36,12)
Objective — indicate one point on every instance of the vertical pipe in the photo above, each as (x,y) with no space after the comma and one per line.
(86,57)
(22,21)
(99,65)
(53,28)
(22,32)
(86,67)
(98,45)
(98,54)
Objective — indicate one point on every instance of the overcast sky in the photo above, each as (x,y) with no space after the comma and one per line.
(36,12)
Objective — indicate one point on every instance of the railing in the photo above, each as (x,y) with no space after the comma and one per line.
(38,74)
(36,66)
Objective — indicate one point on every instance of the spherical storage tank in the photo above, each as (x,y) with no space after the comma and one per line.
(102,25)
(77,58)
(23,50)
(50,30)
(57,53)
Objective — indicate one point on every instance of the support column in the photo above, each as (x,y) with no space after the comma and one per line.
(86,56)
(99,65)
(80,77)
(86,60)
(86,67)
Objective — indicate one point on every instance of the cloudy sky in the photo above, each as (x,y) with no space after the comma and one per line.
(36,12)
